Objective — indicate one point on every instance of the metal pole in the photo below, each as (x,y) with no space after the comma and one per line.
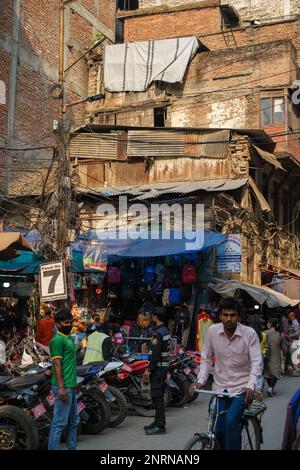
(61,59)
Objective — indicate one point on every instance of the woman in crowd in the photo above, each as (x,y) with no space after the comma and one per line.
(291,331)
(276,344)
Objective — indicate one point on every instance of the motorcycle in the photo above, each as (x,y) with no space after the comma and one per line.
(118,406)
(17,431)
(183,375)
(129,380)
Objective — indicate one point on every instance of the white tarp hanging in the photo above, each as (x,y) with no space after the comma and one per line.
(261,294)
(134,66)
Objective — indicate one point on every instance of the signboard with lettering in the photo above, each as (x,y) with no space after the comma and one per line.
(229,257)
(53,285)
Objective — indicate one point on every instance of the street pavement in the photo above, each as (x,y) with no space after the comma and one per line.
(182,423)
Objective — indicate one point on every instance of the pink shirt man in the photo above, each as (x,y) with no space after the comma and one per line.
(238,360)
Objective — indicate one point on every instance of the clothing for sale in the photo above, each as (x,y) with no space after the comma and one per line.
(203,323)
(159,347)
(44,331)
(99,348)
(63,347)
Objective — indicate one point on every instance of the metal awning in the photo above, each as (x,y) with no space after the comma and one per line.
(259,196)
(10,242)
(292,272)
(261,294)
(150,191)
(268,157)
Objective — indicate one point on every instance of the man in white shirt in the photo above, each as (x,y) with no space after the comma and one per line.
(238,365)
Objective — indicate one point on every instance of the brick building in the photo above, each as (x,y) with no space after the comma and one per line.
(29,49)
(239,79)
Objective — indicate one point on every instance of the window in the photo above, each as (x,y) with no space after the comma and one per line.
(272,111)
(159,117)
(126,5)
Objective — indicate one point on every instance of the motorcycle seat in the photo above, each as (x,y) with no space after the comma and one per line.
(25,381)
(4,379)
(84,370)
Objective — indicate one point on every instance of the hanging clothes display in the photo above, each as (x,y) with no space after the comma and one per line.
(203,322)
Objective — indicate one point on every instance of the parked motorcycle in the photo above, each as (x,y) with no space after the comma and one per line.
(181,370)
(17,431)
(118,406)
(129,380)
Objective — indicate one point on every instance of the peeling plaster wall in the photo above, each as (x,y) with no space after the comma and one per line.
(228,114)
(264,9)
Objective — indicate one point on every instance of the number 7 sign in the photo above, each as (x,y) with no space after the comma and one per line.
(53,285)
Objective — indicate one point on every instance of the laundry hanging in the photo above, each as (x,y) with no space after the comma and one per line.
(134,66)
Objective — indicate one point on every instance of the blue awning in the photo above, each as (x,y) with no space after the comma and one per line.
(29,262)
(141,248)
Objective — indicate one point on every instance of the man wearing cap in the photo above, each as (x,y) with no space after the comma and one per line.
(64,383)
(141,329)
(158,367)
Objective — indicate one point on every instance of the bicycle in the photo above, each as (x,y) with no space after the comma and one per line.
(252,431)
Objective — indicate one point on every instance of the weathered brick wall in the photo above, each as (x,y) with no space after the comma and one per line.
(264,9)
(107,12)
(205,23)
(248,10)
(37,69)
(169,25)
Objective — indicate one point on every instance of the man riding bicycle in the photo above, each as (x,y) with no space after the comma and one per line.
(238,365)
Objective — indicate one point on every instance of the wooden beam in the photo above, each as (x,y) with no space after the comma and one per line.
(90,18)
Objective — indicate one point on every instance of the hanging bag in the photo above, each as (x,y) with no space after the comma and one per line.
(166,297)
(175,296)
(114,275)
(189,274)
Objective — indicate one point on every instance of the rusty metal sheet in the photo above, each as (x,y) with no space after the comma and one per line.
(207,143)
(154,143)
(126,174)
(92,146)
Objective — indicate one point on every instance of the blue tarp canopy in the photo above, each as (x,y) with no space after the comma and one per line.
(143,248)
(29,262)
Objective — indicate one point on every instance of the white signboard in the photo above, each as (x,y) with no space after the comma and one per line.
(229,257)
(53,285)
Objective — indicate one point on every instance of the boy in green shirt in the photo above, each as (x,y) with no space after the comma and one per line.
(64,383)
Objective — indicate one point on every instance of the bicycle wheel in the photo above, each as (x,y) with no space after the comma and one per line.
(199,442)
(251,434)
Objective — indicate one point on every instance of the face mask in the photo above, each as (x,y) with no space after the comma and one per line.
(65,330)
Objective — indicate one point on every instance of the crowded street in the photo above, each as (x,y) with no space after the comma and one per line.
(183,423)
(149,226)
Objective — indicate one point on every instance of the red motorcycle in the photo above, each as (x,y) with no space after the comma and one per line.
(129,380)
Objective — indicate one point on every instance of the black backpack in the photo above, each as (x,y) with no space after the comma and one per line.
(173,276)
(128,292)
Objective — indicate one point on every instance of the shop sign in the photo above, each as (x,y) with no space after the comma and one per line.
(229,257)
(53,285)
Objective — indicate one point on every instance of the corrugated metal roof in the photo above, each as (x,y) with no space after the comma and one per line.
(155,144)
(92,146)
(216,143)
(150,191)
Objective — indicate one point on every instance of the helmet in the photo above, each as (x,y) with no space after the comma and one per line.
(119,338)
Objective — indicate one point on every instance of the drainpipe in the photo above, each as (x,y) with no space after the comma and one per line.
(12,94)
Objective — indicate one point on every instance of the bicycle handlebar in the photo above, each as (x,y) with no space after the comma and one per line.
(219,394)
